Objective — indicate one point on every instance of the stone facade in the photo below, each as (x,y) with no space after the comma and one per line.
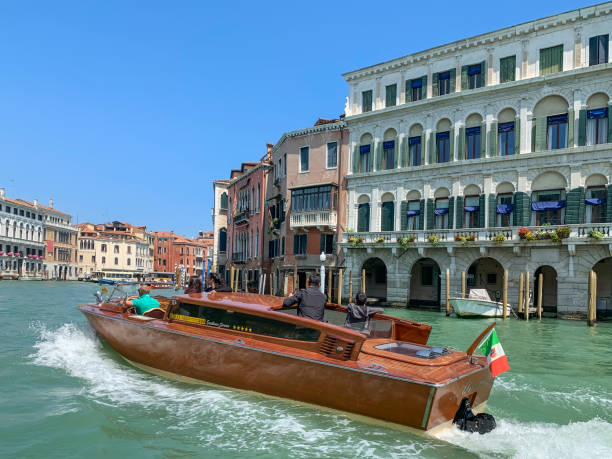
(219,217)
(435,179)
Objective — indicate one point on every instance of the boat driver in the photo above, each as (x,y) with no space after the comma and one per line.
(145,302)
(310,301)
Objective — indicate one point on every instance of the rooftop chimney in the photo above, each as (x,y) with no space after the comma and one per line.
(269,147)
(36,203)
(51,203)
(2,193)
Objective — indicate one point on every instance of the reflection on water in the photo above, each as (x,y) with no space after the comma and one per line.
(71,395)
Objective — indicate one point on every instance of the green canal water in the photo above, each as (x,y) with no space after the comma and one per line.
(66,394)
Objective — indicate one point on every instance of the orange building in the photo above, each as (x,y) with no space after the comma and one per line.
(172,250)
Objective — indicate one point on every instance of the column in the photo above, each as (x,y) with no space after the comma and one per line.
(490,68)
(458,74)
(524,58)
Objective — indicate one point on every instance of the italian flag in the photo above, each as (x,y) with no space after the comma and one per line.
(496,357)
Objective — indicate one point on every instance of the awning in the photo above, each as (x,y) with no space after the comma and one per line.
(595,201)
(471,208)
(504,208)
(542,206)
(412,213)
(441,211)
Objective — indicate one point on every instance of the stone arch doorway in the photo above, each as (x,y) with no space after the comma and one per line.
(375,278)
(549,289)
(603,269)
(486,273)
(425,284)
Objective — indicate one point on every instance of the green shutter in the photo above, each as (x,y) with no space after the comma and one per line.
(493,140)
(421,214)
(379,155)
(396,153)
(483,74)
(533,134)
(461,144)
(434,85)
(517,135)
(453,80)
(507,69)
(459,221)
(572,210)
(424,86)
(540,143)
(404,152)
(432,147)
(403,218)
(481,211)
(451,211)
(408,92)
(390,95)
(551,60)
(609,139)
(609,205)
(582,123)
(371,158)
(363,218)
(570,128)
(430,214)
(356,158)
(451,144)
(483,140)
(387,216)
(522,209)
(492,211)
(464,77)
(593,50)
(423,149)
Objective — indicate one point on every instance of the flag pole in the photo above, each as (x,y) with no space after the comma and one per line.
(478,340)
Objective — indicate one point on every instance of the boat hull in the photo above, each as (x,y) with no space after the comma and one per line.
(232,363)
(476,308)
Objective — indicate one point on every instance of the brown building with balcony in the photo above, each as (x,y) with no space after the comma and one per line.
(304,201)
(172,251)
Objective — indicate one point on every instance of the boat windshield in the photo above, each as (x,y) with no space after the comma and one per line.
(413,350)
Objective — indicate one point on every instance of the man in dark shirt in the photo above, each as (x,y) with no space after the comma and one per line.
(310,301)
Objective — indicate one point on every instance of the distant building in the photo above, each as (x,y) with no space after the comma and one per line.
(172,250)
(61,244)
(219,218)
(21,238)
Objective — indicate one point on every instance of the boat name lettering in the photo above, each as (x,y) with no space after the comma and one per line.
(217,324)
(471,387)
(195,320)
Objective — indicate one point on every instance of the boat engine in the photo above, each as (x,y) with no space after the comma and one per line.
(466,420)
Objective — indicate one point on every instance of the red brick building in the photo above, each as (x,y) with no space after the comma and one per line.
(172,250)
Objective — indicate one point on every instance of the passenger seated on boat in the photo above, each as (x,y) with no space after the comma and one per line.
(252,287)
(358,313)
(215,284)
(145,302)
(310,301)
(194,285)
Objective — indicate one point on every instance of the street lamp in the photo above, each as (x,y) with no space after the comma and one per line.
(322,257)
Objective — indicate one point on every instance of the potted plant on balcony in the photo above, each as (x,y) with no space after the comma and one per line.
(499,238)
(564,232)
(597,235)
(405,242)
(355,241)
(433,240)
(380,240)
(526,234)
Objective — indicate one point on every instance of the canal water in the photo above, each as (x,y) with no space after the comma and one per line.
(66,394)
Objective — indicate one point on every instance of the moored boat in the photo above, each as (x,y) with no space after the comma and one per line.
(384,370)
(477,305)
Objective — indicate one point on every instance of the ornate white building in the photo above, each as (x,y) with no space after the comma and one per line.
(219,218)
(456,148)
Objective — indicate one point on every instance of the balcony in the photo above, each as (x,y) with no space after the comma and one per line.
(318,218)
(239,257)
(587,233)
(241,218)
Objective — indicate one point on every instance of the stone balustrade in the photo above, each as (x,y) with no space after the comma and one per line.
(319,218)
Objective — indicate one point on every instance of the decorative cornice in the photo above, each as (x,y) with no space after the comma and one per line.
(493,38)
(306,131)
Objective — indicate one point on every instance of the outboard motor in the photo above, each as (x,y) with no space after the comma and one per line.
(466,420)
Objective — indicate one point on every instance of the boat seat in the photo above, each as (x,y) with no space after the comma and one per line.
(156,313)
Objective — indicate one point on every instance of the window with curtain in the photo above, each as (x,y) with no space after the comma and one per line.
(472,142)
(416,89)
(387,216)
(505,138)
(443,83)
(363,217)
(364,158)
(507,69)
(597,126)
(304,159)
(504,209)
(332,155)
(548,207)
(556,132)
(388,154)
(471,211)
(474,76)
(443,147)
(413,214)
(414,144)
(311,199)
(299,244)
(598,50)
(441,215)
(390,95)
(595,208)
(551,60)
(366,101)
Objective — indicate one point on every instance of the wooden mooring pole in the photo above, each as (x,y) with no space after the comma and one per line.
(521,292)
(505,296)
(232,278)
(447,292)
(350,287)
(526,295)
(363,283)
(340,286)
(462,284)
(296,281)
(540,283)
(329,285)
(592,313)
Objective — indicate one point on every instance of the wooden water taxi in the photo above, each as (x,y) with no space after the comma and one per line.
(384,370)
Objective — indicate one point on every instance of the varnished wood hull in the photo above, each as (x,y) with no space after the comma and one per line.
(228,361)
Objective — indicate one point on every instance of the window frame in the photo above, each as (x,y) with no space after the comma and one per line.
(370,106)
(302,149)
(476,139)
(503,220)
(442,221)
(557,126)
(440,137)
(446,85)
(335,166)
(391,90)
(411,154)
(505,134)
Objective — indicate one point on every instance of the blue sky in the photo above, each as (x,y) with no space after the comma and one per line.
(128,110)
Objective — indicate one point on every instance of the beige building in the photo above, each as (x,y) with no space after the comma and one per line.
(61,244)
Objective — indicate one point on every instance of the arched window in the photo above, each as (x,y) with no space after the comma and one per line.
(506,132)
(413,210)
(222,240)
(364,158)
(504,204)
(389,153)
(596,119)
(552,123)
(471,206)
(223,203)
(443,141)
(548,199)
(595,211)
(415,145)
(363,214)
(387,212)
(474,140)
(441,213)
